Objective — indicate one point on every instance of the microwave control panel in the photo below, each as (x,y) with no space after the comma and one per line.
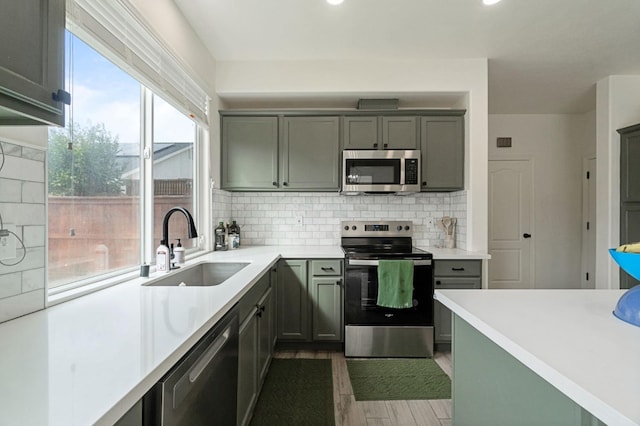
(411,171)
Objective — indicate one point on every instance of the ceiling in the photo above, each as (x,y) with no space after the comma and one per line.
(544,56)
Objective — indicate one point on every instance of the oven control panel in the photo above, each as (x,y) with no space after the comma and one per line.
(384,228)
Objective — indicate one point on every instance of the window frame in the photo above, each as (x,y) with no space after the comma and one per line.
(200,193)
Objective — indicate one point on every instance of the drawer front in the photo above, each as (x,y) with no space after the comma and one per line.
(326,267)
(446,283)
(457,268)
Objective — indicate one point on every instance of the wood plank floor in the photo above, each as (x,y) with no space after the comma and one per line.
(350,412)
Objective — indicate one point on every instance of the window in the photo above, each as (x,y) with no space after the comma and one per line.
(173,152)
(98,186)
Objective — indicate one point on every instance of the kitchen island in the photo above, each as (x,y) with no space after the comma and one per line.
(552,357)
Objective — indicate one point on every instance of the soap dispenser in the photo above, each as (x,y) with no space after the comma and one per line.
(179,253)
(162,257)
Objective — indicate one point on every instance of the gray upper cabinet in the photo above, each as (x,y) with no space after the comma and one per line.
(629,193)
(399,133)
(32,62)
(442,151)
(294,150)
(262,153)
(375,132)
(310,153)
(250,153)
(360,132)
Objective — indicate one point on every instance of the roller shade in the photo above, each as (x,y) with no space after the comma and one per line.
(112,28)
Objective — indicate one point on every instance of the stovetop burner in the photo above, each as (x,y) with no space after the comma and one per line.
(380,239)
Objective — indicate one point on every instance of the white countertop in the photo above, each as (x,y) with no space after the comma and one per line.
(88,360)
(570,338)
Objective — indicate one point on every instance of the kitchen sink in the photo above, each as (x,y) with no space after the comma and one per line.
(201,274)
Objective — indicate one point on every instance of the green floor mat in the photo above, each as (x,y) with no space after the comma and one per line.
(296,392)
(397,379)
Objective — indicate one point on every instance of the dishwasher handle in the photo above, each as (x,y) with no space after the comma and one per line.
(209,355)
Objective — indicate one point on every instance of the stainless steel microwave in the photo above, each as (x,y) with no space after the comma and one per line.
(383,171)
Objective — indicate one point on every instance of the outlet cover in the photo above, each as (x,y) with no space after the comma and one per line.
(8,243)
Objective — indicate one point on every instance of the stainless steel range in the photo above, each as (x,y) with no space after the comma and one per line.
(372,330)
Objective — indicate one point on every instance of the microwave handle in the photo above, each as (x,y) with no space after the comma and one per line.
(362,262)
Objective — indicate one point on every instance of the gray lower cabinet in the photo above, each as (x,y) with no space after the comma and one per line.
(442,153)
(32,66)
(309,303)
(326,298)
(380,132)
(272,153)
(292,305)
(629,193)
(452,274)
(255,345)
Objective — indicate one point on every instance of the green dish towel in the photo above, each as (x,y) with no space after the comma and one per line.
(395,284)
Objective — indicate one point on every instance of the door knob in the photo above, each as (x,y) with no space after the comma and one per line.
(525,235)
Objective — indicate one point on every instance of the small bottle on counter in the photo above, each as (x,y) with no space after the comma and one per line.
(234,235)
(162,257)
(220,237)
(179,253)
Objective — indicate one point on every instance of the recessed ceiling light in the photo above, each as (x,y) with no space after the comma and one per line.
(334,1)
(490,2)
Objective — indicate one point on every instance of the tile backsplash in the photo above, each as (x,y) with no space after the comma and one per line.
(22,204)
(270,218)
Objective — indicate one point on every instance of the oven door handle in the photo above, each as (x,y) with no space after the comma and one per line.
(363,262)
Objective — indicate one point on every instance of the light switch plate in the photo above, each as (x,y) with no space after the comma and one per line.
(8,243)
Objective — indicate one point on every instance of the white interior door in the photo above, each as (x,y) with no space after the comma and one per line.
(589,223)
(510,224)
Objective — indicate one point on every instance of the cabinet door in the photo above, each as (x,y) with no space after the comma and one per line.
(326,295)
(360,133)
(399,133)
(629,232)
(249,153)
(32,68)
(442,151)
(247,368)
(310,153)
(442,314)
(293,300)
(629,171)
(265,341)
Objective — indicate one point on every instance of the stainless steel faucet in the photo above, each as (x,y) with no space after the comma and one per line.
(192,232)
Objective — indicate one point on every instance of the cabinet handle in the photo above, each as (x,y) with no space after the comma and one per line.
(285,184)
(324,268)
(424,183)
(61,96)
(438,282)
(457,269)
(274,183)
(386,145)
(375,145)
(339,282)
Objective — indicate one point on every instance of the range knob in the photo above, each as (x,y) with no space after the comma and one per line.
(407,227)
(399,228)
(353,228)
(346,227)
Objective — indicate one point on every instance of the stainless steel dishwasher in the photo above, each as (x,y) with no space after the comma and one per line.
(201,388)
